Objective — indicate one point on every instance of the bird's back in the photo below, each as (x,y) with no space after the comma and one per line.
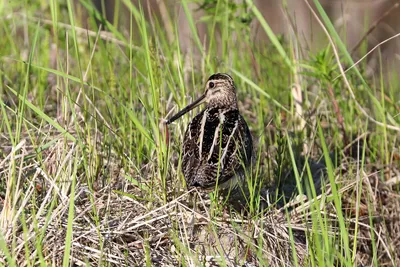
(216,147)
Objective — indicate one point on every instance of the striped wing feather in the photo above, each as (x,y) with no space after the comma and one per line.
(216,144)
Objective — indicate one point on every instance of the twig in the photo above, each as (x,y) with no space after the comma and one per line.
(338,114)
(369,52)
(374,25)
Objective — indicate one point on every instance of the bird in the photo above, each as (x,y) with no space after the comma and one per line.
(217,147)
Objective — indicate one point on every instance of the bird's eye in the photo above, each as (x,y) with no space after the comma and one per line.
(211,85)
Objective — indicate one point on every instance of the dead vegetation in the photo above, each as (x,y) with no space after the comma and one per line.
(134,228)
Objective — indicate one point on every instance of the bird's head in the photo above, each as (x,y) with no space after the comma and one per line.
(220,92)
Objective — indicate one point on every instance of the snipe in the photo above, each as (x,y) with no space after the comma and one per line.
(217,147)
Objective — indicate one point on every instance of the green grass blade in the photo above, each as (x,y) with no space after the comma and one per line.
(344,235)
(42,115)
(271,35)
(71,214)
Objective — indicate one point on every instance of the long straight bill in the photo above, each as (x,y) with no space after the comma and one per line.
(188,108)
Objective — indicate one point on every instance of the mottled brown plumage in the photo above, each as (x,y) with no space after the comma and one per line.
(217,146)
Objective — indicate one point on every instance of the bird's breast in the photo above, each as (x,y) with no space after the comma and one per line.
(212,134)
(215,145)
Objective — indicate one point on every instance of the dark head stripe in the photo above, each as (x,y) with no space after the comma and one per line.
(220,76)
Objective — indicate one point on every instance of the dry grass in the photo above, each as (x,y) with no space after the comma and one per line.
(130,230)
